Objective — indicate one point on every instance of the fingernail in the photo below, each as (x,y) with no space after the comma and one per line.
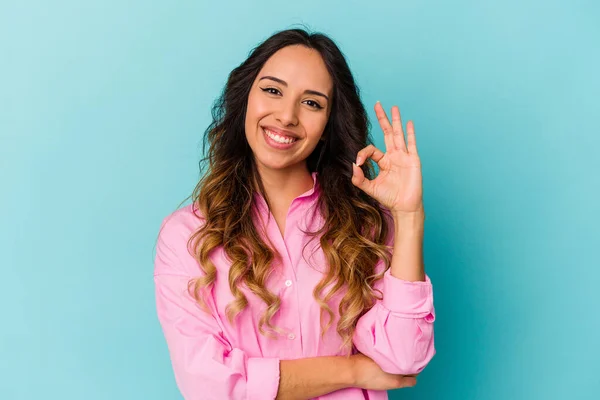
(358,161)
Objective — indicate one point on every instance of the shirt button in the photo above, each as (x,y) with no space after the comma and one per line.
(291,336)
(288,283)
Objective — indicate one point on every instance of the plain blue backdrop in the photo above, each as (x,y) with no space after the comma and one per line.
(102,108)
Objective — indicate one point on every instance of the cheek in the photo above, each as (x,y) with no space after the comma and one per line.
(315,127)
(257,107)
(253,116)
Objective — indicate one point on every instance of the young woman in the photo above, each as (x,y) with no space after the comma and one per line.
(278,280)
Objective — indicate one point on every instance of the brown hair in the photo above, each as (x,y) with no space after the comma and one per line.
(355,225)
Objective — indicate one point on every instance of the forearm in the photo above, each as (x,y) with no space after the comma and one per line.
(407,258)
(306,378)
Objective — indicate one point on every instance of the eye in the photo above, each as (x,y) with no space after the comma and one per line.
(270,90)
(314,104)
(276,92)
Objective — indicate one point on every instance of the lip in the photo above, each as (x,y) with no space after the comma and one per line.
(276,145)
(281,132)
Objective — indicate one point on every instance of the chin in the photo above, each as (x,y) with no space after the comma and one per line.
(274,164)
(271,164)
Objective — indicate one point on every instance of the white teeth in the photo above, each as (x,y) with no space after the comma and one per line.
(279,139)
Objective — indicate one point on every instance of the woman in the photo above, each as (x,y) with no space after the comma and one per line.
(277,281)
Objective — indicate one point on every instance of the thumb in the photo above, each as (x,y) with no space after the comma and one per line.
(409,381)
(405,381)
(359,180)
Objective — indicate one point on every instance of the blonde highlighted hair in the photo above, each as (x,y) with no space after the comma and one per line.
(355,227)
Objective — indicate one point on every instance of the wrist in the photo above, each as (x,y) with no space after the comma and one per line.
(356,373)
(409,224)
(350,376)
(401,216)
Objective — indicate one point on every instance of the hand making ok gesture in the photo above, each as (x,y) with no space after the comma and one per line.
(398,186)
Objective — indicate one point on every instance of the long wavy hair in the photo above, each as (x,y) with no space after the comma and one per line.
(355,229)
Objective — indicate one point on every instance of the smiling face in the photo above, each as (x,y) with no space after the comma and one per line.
(288,107)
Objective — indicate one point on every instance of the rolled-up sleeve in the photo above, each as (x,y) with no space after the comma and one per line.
(397,332)
(205,364)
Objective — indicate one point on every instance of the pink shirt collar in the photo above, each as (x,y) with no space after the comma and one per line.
(311,194)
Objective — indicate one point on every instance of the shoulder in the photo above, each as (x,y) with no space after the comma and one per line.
(172,251)
(182,221)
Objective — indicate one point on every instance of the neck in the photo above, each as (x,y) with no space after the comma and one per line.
(284,185)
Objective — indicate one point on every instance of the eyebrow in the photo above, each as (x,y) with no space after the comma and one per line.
(284,83)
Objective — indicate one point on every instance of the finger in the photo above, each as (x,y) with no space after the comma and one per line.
(397,127)
(371,152)
(360,181)
(405,381)
(388,131)
(410,137)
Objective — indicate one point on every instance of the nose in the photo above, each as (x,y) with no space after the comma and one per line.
(287,113)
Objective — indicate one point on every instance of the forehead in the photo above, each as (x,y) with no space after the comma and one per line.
(300,67)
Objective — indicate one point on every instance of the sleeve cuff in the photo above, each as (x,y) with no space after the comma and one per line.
(409,299)
(263,378)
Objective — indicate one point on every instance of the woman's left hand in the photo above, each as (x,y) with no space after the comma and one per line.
(398,186)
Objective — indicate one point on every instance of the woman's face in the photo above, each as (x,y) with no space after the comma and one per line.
(288,108)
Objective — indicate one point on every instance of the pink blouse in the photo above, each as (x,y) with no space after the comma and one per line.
(213,359)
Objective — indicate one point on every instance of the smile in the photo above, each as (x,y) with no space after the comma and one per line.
(279,138)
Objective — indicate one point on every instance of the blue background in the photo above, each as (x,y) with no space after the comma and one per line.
(102,107)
